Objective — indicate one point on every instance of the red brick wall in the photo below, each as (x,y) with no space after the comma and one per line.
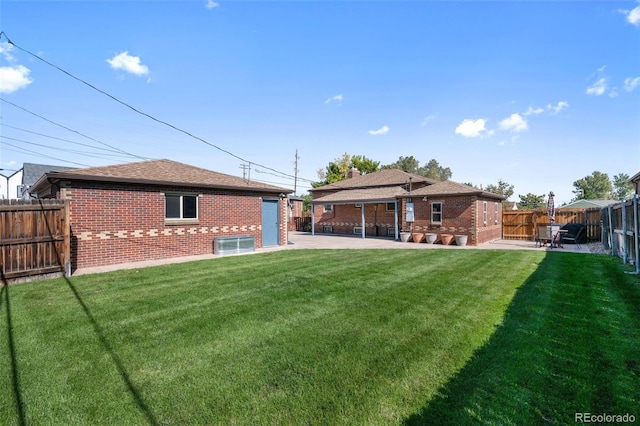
(461,215)
(492,229)
(344,217)
(457,216)
(113,224)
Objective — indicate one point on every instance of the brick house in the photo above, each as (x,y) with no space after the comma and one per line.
(375,204)
(453,208)
(363,204)
(161,209)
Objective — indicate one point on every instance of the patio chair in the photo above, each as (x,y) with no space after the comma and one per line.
(574,235)
(543,235)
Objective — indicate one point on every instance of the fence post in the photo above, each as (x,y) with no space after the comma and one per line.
(625,246)
(636,237)
(614,252)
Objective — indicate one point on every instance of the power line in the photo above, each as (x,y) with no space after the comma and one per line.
(2,33)
(115,151)
(37,154)
(70,130)
(72,151)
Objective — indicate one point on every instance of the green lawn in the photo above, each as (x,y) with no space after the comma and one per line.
(327,337)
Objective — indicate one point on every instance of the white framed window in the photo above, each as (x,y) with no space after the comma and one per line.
(495,213)
(328,207)
(436,212)
(357,230)
(484,212)
(180,206)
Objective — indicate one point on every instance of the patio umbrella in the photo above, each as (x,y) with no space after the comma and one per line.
(551,210)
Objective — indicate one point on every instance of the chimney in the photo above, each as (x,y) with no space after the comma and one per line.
(353,173)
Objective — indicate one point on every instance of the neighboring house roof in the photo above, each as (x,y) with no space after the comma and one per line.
(448,188)
(32,172)
(364,195)
(384,177)
(635,178)
(162,172)
(588,204)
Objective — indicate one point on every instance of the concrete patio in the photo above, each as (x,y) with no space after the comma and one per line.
(304,240)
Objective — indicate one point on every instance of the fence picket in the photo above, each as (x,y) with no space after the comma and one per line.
(34,238)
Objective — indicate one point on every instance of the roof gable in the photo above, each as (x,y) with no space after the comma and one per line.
(164,172)
(384,177)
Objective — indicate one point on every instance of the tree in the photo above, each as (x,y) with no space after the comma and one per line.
(531,201)
(622,188)
(364,165)
(406,164)
(431,170)
(502,188)
(306,202)
(339,168)
(596,186)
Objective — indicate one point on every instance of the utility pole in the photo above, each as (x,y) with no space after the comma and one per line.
(295,181)
(246,168)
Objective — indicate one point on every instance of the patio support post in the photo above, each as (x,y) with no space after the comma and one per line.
(362,212)
(313,219)
(395,218)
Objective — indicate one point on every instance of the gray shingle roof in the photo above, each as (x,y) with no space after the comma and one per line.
(32,172)
(384,177)
(449,187)
(165,172)
(384,194)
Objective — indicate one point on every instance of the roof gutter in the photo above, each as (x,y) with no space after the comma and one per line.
(58,176)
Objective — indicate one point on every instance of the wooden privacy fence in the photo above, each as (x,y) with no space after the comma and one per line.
(521,224)
(34,239)
(620,223)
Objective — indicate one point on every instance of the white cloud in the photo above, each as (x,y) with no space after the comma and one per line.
(211,4)
(5,51)
(381,131)
(336,98)
(128,63)
(473,128)
(533,111)
(559,107)
(427,119)
(631,83)
(633,15)
(14,78)
(598,88)
(515,123)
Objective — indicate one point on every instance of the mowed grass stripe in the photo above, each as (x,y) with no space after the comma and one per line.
(295,337)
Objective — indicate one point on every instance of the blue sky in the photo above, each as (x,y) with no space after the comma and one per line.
(538,94)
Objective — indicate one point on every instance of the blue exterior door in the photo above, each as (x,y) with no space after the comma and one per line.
(270,223)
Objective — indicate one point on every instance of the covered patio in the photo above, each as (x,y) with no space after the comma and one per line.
(386,196)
